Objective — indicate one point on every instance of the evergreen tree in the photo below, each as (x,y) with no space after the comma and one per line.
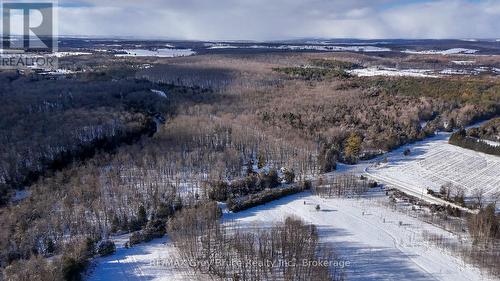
(142,217)
(327,159)
(289,176)
(352,148)
(261,161)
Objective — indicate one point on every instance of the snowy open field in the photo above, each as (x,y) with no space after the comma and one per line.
(385,71)
(161,53)
(453,51)
(431,73)
(433,163)
(366,235)
(152,261)
(376,250)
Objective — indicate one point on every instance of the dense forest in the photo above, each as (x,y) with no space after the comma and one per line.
(487,131)
(47,124)
(304,101)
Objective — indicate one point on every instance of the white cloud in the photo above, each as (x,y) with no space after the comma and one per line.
(281,19)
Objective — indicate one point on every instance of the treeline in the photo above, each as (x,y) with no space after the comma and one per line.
(347,149)
(312,73)
(265,196)
(67,267)
(461,139)
(488,131)
(319,69)
(255,188)
(485,94)
(205,77)
(343,185)
(453,194)
(287,251)
(484,227)
(252,183)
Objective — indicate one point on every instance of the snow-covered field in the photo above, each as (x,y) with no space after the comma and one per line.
(67,54)
(453,51)
(383,71)
(451,71)
(373,241)
(161,53)
(394,72)
(9,54)
(433,163)
(219,46)
(322,42)
(154,261)
(463,62)
(369,236)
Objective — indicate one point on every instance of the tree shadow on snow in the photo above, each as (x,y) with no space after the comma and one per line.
(366,262)
(371,263)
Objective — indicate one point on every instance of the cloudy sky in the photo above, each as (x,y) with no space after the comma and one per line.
(281,19)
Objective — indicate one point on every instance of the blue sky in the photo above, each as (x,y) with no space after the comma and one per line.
(281,19)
